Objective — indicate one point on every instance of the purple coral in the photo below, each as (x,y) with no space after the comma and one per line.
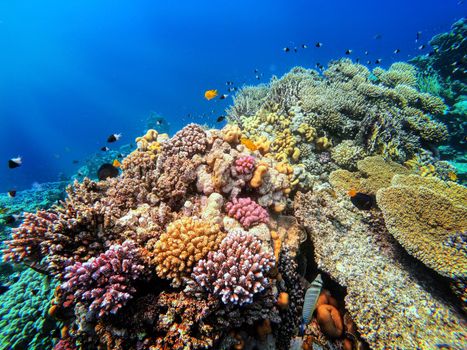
(106,280)
(236,272)
(244,165)
(247,212)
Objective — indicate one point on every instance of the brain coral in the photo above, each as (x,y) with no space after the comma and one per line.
(237,271)
(184,243)
(422,215)
(187,142)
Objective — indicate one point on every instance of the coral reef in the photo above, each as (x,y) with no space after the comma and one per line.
(391,304)
(379,112)
(210,238)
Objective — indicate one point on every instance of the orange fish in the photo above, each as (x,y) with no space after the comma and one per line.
(248,144)
(352,192)
(210,94)
(116,163)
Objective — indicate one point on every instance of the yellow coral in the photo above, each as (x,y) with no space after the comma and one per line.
(307,131)
(184,243)
(373,173)
(323,143)
(284,145)
(426,215)
(231,133)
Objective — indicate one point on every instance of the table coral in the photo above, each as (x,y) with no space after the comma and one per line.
(422,215)
(182,245)
(236,272)
(247,212)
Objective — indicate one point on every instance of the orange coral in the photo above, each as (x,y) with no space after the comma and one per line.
(330,320)
(185,242)
(257,179)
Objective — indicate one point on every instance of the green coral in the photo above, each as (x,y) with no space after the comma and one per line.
(25,323)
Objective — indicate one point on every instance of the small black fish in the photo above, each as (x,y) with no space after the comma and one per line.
(397,51)
(368,62)
(361,200)
(366,53)
(421,47)
(12,193)
(286,49)
(318,45)
(113,138)
(295,49)
(220,118)
(348,52)
(256,70)
(3,289)
(304,46)
(120,155)
(14,162)
(107,170)
(11,219)
(258,77)
(75,161)
(105,149)
(357,60)
(378,61)
(229,83)
(378,36)
(223,97)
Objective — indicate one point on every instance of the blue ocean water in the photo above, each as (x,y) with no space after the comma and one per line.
(74,72)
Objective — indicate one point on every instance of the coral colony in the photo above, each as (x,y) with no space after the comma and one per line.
(245,237)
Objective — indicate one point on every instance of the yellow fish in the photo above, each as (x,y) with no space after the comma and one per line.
(248,144)
(116,163)
(210,94)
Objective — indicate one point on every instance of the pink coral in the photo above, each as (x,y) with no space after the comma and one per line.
(244,165)
(247,212)
(236,271)
(106,280)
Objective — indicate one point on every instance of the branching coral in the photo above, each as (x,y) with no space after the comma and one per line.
(237,271)
(185,242)
(105,282)
(376,112)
